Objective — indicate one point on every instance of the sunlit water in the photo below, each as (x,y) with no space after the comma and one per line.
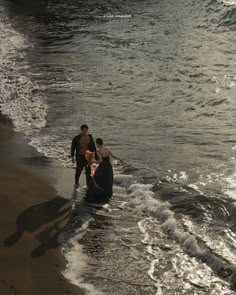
(156,80)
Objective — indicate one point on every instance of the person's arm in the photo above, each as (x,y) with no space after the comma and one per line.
(92,147)
(99,157)
(73,147)
(115,157)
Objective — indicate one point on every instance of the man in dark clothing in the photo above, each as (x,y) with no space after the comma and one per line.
(79,145)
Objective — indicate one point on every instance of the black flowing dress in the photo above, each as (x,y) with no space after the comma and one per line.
(100,187)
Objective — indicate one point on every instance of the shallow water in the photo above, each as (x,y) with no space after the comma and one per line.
(156,80)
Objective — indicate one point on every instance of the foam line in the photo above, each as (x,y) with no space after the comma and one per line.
(156,209)
(150,251)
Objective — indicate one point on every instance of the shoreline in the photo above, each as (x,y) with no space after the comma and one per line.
(33,214)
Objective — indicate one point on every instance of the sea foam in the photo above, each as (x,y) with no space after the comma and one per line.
(20,99)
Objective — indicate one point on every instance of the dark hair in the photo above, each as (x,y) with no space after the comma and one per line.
(99,141)
(84,126)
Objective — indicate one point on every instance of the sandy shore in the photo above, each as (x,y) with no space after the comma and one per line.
(32,216)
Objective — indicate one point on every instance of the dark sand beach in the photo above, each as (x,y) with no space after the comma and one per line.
(32,216)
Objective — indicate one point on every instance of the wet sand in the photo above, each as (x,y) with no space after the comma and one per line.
(32,215)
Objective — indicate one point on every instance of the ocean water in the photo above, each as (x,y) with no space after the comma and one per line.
(156,80)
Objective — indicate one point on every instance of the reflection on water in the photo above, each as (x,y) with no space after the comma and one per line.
(163,83)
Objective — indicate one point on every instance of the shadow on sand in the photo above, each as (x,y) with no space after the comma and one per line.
(47,220)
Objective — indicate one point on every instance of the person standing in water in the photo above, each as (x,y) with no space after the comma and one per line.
(100,188)
(79,145)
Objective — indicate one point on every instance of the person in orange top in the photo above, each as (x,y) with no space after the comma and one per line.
(79,145)
(90,157)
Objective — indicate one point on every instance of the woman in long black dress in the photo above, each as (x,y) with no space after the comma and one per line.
(100,188)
